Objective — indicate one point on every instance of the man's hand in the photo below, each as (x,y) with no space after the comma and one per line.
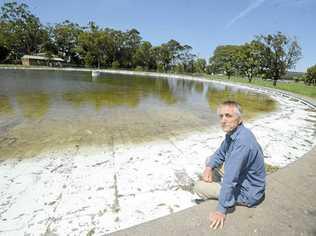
(207,174)
(217,219)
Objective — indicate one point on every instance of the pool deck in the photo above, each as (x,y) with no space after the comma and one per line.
(288,209)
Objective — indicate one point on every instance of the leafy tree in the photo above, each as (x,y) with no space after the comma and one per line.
(225,59)
(279,54)
(167,54)
(132,41)
(122,46)
(186,58)
(49,47)
(200,65)
(65,36)
(311,75)
(5,41)
(248,59)
(21,30)
(144,56)
(93,46)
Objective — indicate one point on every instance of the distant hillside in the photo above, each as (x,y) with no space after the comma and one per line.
(292,74)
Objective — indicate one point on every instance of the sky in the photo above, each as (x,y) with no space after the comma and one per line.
(202,24)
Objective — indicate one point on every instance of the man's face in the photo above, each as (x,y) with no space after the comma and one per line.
(229,119)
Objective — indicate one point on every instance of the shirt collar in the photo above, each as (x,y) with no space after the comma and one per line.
(234,133)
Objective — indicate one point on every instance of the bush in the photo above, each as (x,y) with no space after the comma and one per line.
(311,75)
(160,68)
(115,65)
(139,68)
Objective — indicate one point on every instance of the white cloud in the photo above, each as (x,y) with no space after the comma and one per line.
(255,4)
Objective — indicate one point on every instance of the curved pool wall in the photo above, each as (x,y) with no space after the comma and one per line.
(107,188)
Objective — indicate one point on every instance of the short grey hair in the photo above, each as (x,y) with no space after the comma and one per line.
(234,104)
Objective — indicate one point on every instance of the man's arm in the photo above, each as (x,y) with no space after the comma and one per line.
(218,157)
(233,168)
(238,159)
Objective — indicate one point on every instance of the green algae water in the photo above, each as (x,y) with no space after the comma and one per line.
(48,110)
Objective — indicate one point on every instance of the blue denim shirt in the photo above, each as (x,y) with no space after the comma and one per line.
(244,171)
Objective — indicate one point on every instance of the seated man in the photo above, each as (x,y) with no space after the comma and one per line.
(244,174)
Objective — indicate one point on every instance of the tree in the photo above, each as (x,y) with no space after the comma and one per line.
(21,30)
(65,36)
(95,46)
(200,65)
(248,59)
(132,41)
(186,58)
(311,75)
(168,54)
(144,56)
(224,59)
(278,54)
(5,42)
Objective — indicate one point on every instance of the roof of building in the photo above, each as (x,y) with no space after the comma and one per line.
(37,57)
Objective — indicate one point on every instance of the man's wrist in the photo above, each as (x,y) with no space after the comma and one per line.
(221,209)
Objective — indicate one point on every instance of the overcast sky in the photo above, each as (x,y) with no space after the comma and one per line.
(203,24)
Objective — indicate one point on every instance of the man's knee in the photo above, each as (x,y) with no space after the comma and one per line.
(206,190)
(199,189)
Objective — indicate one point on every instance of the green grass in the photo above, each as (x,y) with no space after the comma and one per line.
(299,87)
(11,65)
(270,169)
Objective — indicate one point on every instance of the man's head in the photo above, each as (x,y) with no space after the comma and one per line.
(229,113)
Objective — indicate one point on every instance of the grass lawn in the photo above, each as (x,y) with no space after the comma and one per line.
(299,88)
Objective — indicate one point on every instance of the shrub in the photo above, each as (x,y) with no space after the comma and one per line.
(311,75)
(115,65)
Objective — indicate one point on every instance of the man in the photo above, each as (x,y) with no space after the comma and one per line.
(243,181)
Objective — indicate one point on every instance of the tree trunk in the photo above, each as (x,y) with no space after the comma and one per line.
(275,81)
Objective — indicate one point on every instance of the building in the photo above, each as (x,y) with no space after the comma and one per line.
(41,60)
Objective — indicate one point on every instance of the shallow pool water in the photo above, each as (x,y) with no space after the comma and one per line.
(41,110)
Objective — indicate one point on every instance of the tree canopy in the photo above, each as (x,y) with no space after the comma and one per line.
(21,32)
(279,54)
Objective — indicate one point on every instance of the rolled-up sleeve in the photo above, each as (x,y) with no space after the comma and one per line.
(237,159)
(218,157)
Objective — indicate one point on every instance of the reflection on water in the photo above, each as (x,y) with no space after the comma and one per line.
(34,105)
(46,109)
(5,106)
(129,92)
(251,103)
